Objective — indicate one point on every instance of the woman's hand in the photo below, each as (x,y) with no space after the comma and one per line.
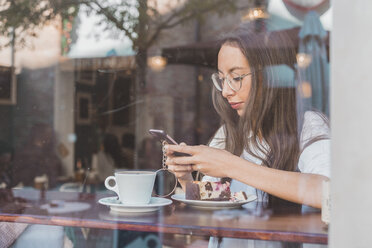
(210,161)
(182,172)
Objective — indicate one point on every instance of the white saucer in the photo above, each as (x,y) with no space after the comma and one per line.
(116,205)
(63,207)
(212,204)
(129,216)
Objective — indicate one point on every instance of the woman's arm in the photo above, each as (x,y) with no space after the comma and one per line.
(296,187)
(292,186)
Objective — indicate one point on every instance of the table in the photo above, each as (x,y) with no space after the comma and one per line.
(254,222)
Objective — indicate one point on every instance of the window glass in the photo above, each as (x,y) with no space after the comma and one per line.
(243,85)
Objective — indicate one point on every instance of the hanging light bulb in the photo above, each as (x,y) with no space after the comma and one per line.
(157,63)
(255,14)
(303,60)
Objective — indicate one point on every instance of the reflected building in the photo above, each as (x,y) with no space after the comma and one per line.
(84,98)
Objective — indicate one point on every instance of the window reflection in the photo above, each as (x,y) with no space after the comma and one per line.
(77,100)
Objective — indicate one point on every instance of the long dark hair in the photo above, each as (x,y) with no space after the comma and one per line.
(273,116)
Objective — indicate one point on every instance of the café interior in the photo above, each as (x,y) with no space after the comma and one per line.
(77,101)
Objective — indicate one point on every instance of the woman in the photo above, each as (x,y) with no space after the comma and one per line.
(37,157)
(109,158)
(6,159)
(266,143)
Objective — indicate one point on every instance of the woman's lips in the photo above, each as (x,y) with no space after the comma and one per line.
(236,105)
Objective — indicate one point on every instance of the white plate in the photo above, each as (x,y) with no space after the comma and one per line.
(212,204)
(62,207)
(116,205)
(129,216)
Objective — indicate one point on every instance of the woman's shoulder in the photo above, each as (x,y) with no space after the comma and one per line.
(314,119)
(315,125)
(315,116)
(219,139)
(220,133)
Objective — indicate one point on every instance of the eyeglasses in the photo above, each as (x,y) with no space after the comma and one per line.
(233,80)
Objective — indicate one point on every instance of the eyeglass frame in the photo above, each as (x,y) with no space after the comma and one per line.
(241,77)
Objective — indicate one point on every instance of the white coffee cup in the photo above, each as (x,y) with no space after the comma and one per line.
(132,187)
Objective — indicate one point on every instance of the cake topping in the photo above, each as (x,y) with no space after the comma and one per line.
(212,191)
(239,196)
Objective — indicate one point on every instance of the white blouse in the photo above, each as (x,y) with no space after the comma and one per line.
(314,159)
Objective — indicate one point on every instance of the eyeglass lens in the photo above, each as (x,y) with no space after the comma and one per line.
(218,81)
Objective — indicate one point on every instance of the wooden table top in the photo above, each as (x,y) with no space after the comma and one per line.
(252,222)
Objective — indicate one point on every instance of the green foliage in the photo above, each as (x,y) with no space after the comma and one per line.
(138,20)
(25,17)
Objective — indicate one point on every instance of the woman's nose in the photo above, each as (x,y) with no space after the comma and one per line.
(226,90)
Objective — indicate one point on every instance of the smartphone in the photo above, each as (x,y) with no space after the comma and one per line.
(161,135)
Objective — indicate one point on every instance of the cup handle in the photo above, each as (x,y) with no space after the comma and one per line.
(113,188)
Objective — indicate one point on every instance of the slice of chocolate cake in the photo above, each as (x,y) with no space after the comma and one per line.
(208,191)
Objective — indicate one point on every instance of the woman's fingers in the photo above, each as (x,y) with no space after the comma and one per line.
(195,167)
(180,168)
(180,161)
(187,160)
(185,163)
(183,148)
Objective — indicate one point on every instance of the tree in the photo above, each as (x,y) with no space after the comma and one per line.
(139,20)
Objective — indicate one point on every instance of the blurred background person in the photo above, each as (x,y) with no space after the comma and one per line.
(37,157)
(6,158)
(127,145)
(109,157)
